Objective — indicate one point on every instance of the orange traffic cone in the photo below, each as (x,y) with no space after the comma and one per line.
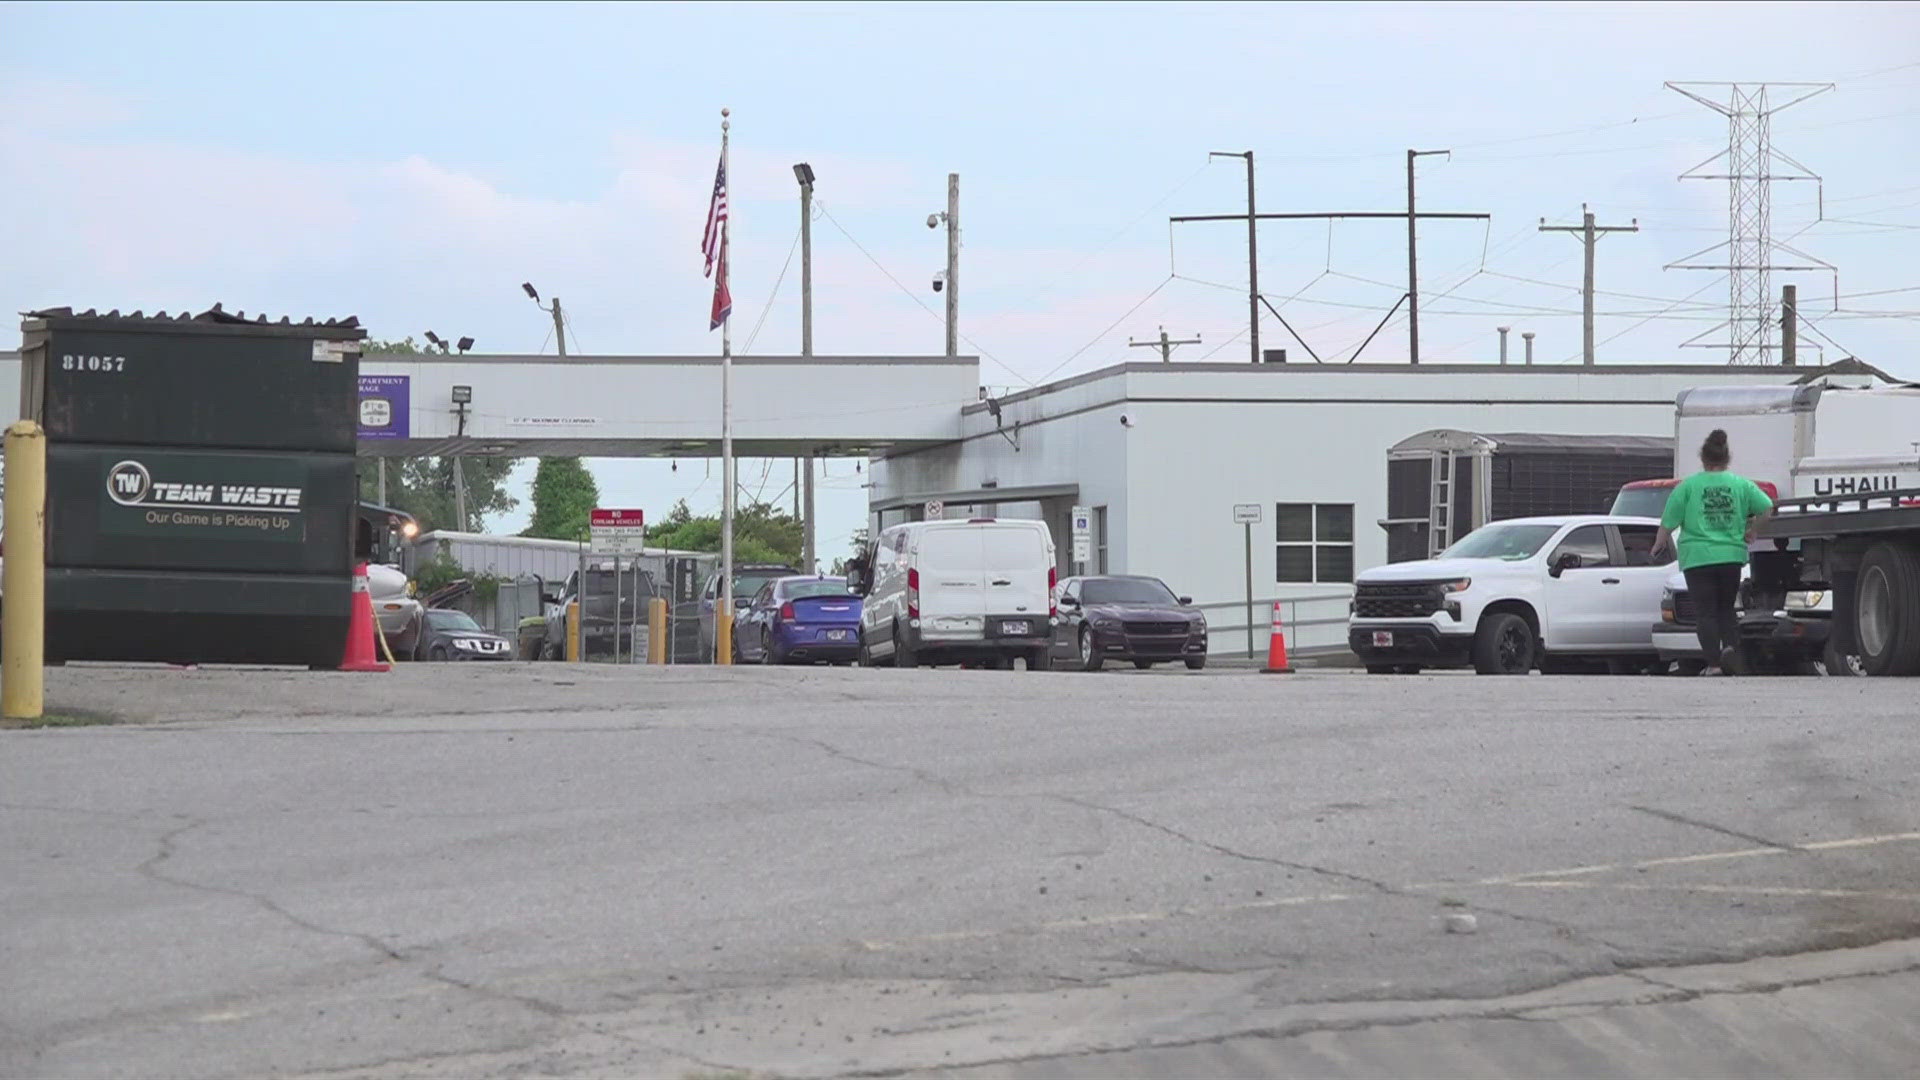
(1277,648)
(359,654)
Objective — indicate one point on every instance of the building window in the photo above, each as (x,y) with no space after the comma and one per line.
(1100,540)
(1313,543)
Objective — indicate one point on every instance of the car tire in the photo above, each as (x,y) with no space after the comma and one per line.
(767,659)
(1833,664)
(438,653)
(1090,658)
(904,655)
(863,656)
(1887,611)
(1503,645)
(1196,663)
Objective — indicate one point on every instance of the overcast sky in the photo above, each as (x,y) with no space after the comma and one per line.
(413,164)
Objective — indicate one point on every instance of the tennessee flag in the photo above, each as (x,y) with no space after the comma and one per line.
(722,299)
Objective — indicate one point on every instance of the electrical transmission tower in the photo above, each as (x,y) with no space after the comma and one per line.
(1749,162)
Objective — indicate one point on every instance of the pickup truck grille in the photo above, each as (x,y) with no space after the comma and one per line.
(1400,600)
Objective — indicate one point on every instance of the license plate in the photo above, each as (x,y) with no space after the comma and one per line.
(1383,639)
(836,635)
(1016,628)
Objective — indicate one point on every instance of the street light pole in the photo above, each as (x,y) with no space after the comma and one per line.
(803,172)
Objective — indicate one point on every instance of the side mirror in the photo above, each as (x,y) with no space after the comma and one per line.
(1568,560)
(1068,602)
(743,601)
(1186,601)
(549,598)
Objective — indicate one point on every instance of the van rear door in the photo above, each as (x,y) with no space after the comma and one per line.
(1017,585)
(950,566)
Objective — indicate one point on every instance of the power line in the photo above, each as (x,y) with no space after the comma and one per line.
(911,295)
(772,296)
(1102,334)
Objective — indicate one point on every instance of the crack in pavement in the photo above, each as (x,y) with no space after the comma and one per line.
(168,845)
(1682,819)
(1232,853)
(1378,886)
(1663,993)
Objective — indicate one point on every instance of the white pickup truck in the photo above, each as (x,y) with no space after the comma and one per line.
(1554,593)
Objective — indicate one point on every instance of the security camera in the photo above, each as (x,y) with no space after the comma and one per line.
(933,221)
(1126,420)
(939,283)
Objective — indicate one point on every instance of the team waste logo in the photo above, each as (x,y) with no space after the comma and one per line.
(131,483)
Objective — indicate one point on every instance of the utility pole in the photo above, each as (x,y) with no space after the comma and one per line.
(1253,256)
(1789,324)
(803,172)
(1413,262)
(1410,215)
(953,264)
(1165,344)
(560,327)
(1589,234)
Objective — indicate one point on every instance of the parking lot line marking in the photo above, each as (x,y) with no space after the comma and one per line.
(1545,879)
(1722,890)
(1094,922)
(1712,856)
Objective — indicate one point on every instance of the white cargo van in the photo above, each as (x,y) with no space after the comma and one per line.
(955,591)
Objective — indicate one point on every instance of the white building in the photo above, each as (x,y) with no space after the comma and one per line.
(1162,453)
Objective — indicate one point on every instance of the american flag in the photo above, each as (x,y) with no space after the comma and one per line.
(716,218)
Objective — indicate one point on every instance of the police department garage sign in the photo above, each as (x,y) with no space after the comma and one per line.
(196,500)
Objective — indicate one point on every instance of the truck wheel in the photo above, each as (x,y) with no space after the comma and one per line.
(1503,645)
(903,654)
(1040,659)
(1887,611)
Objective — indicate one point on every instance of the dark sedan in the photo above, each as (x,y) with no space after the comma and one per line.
(1126,618)
(453,635)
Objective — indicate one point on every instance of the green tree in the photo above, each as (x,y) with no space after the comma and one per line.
(563,494)
(423,487)
(761,533)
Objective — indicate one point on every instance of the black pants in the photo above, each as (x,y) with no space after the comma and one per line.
(1714,589)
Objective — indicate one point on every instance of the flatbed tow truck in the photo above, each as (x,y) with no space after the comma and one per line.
(1863,546)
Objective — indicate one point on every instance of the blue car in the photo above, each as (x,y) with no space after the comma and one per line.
(801,620)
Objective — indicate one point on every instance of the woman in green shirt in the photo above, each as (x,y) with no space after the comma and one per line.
(1714,511)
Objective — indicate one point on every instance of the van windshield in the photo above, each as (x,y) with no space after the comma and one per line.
(1513,543)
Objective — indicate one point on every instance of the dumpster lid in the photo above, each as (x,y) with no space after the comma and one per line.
(216,319)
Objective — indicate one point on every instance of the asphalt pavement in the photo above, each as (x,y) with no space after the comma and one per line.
(590,870)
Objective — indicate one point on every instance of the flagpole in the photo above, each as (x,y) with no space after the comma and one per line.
(723,604)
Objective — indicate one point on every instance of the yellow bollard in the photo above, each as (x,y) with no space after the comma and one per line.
(656,631)
(574,653)
(23,583)
(723,638)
